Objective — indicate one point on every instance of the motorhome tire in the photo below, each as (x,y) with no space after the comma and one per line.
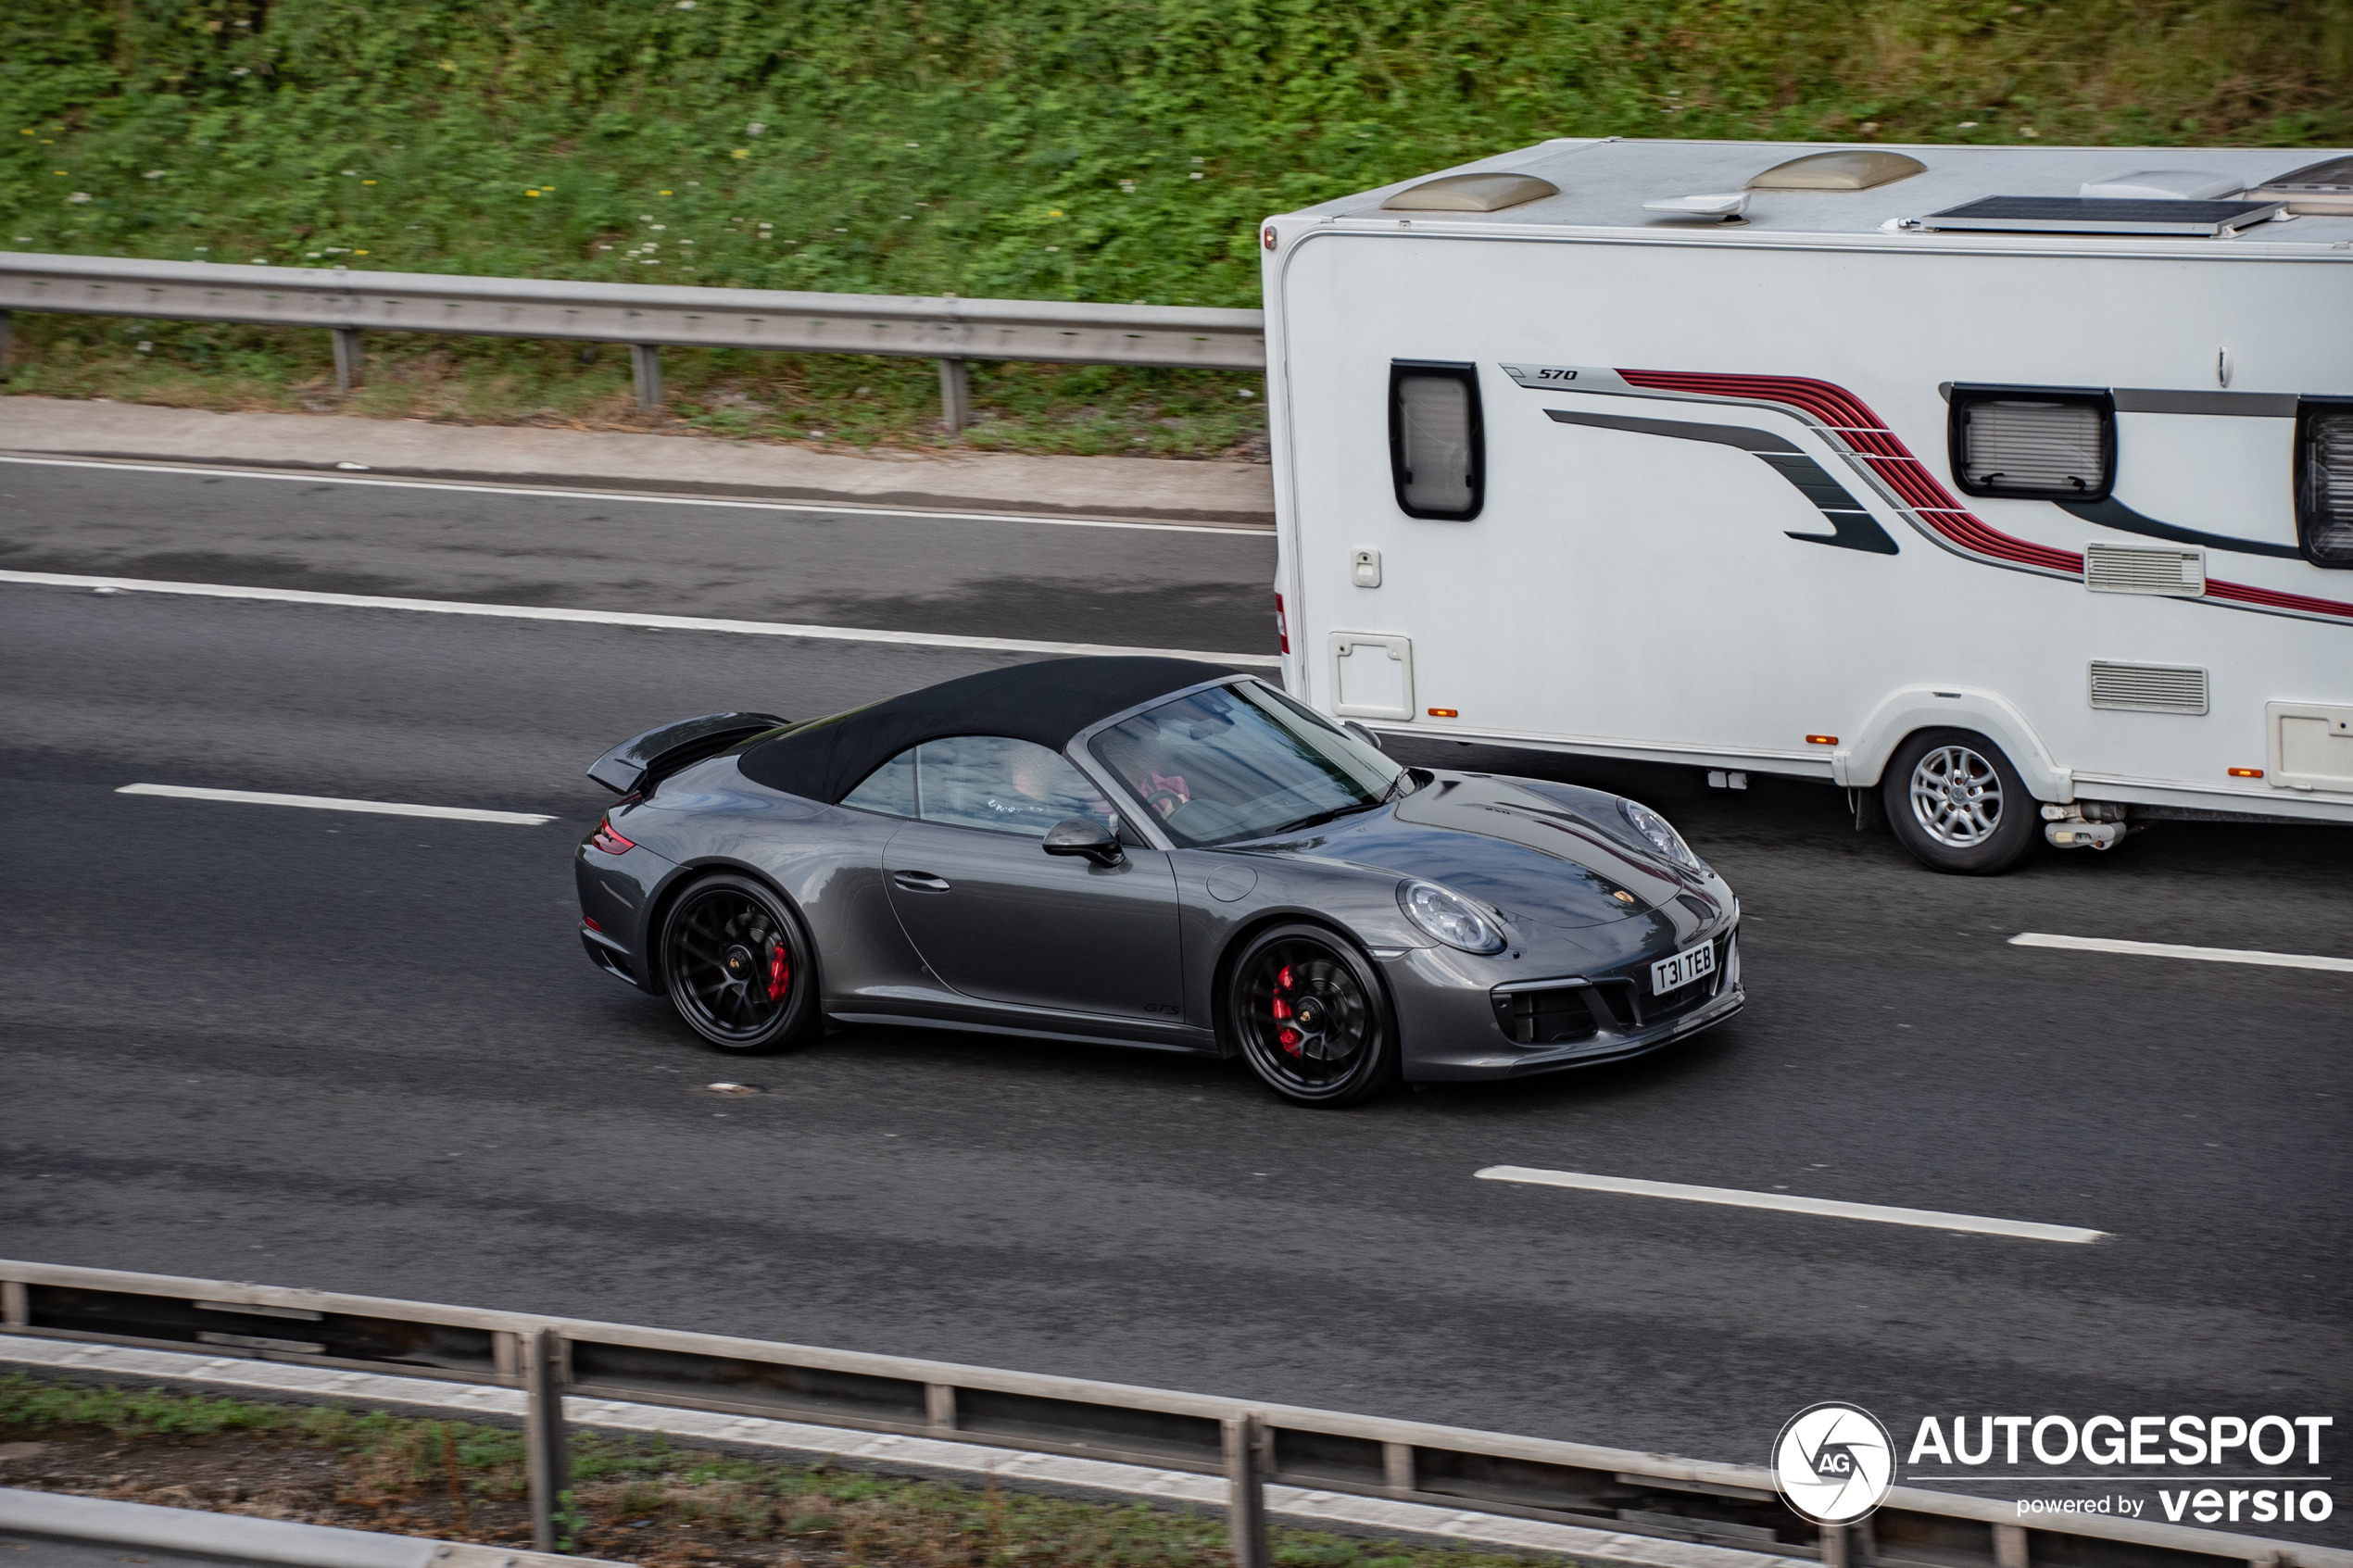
(1955,802)
(739,968)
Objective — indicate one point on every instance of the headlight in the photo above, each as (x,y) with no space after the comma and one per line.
(1450,917)
(1661,837)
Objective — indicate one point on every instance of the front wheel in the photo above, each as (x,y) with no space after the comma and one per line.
(1957,803)
(739,967)
(1310,1016)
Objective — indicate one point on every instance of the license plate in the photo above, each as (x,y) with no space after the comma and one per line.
(1691,963)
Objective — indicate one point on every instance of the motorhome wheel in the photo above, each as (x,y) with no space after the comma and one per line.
(1957,805)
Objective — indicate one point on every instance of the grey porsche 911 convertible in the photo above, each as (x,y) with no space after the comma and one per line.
(1147,852)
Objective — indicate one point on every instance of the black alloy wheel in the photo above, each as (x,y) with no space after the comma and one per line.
(1310,1016)
(739,967)
(1957,803)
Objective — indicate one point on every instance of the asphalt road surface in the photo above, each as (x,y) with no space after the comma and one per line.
(365,1053)
(1162,585)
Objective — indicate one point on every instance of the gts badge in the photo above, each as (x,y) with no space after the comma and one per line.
(1165,1008)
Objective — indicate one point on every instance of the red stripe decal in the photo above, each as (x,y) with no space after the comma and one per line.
(1851,419)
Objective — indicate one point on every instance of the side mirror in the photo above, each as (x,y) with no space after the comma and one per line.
(1354,728)
(1085,835)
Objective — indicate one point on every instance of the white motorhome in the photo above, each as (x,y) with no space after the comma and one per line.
(1972,478)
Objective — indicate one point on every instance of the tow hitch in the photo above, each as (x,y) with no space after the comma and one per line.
(2092,825)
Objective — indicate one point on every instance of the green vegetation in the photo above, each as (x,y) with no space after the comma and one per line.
(448,1477)
(1116,150)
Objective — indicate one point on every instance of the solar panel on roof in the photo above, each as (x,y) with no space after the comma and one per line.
(2101,214)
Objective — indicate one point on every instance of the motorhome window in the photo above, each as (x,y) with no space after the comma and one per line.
(2058,444)
(2324,482)
(1436,442)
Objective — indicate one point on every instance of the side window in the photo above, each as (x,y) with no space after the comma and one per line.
(2052,444)
(1008,785)
(2324,482)
(889,789)
(1437,444)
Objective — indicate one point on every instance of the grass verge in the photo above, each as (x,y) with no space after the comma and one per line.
(640,1500)
(1107,150)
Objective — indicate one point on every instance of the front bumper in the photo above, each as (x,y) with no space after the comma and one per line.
(1460,1024)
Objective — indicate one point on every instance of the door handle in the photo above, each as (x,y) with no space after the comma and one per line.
(920,882)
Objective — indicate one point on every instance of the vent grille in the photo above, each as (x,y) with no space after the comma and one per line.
(2148,688)
(2130,569)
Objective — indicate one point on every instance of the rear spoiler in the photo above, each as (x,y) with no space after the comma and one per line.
(639,762)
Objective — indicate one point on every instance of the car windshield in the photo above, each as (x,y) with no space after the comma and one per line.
(1245,762)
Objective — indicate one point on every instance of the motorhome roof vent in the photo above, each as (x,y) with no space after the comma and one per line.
(1849,169)
(1470,192)
(2166,186)
(2102,215)
(2316,188)
(1724,209)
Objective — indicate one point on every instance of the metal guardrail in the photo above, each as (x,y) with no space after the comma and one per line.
(646,317)
(1251,1445)
(42,1520)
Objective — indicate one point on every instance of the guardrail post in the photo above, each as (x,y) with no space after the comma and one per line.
(2009,1546)
(8,335)
(939,1406)
(955,394)
(347,358)
(1246,1467)
(1838,1547)
(1397,1467)
(645,368)
(543,1451)
(16,1297)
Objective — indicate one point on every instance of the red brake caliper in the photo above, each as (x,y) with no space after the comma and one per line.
(1287,1035)
(779,972)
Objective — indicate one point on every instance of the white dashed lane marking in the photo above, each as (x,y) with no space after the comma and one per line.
(329,803)
(1927,1219)
(2175,950)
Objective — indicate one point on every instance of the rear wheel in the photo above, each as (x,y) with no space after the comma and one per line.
(739,967)
(1957,803)
(1310,1018)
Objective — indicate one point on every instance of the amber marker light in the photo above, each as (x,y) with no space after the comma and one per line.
(1445,713)
(2246,772)
(1821,740)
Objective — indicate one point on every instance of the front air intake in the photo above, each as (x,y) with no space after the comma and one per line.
(2148,688)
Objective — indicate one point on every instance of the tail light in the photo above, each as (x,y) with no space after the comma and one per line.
(608,841)
(1282,623)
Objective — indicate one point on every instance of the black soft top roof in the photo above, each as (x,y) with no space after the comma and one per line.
(1046,702)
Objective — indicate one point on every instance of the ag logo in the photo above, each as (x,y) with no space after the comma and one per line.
(1834,1463)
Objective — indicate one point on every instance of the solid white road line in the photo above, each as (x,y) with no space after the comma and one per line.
(329,803)
(310,476)
(619,618)
(1929,1219)
(2175,950)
